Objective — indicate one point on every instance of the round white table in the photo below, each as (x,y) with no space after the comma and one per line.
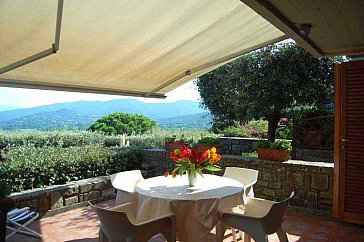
(196,208)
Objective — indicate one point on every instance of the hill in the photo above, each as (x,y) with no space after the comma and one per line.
(192,121)
(81,114)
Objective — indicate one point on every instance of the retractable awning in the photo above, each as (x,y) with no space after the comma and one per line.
(139,48)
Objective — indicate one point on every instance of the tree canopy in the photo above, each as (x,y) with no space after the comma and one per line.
(265,82)
(123,123)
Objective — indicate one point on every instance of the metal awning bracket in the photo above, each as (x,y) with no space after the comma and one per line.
(42,54)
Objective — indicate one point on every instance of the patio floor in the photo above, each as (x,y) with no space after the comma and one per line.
(81,225)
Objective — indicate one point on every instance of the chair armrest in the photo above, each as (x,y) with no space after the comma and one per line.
(122,207)
(236,219)
(256,207)
(127,208)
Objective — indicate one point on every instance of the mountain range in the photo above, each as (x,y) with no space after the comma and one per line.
(81,114)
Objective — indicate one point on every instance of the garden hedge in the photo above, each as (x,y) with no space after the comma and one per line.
(29,167)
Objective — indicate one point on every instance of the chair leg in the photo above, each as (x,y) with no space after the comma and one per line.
(220,231)
(170,234)
(247,237)
(241,234)
(282,235)
(234,234)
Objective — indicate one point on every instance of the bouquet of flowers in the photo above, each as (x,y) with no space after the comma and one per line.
(194,162)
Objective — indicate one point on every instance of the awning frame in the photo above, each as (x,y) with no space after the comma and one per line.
(54,48)
(281,22)
(214,63)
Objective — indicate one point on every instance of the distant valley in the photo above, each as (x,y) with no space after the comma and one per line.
(81,114)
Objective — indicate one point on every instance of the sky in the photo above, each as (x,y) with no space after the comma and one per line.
(20,97)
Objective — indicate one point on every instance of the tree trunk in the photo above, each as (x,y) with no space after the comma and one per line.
(273,121)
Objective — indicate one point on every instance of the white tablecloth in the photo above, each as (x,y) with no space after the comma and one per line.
(195,207)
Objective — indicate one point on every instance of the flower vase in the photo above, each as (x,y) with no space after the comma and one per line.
(192,178)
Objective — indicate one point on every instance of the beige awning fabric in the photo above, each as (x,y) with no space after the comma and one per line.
(139,48)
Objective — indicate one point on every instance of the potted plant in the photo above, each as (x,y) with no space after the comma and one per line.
(173,142)
(207,143)
(278,150)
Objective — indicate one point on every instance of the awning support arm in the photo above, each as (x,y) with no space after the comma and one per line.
(42,54)
(265,9)
(213,63)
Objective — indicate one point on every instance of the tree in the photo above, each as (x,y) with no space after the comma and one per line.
(123,123)
(265,82)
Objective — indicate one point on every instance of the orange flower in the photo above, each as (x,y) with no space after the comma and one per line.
(176,155)
(166,173)
(174,174)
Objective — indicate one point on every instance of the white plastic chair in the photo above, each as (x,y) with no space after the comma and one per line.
(18,220)
(125,183)
(118,225)
(260,218)
(248,177)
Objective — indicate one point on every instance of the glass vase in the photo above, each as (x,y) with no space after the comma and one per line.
(192,178)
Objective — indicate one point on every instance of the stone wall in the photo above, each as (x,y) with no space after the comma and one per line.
(156,162)
(236,146)
(312,181)
(61,198)
(315,155)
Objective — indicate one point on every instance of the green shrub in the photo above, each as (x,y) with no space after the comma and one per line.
(253,154)
(235,131)
(277,144)
(254,128)
(123,123)
(209,141)
(258,126)
(56,138)
(30,167)
(313,112)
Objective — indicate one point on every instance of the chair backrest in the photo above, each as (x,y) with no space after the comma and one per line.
(247,177)
(114,224)
(126,180)
(274,218)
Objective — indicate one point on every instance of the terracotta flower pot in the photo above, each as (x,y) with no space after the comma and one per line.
(273,154)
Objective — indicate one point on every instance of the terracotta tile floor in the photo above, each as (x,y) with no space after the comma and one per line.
(81,225)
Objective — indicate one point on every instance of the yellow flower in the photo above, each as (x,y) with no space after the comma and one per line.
(177,151)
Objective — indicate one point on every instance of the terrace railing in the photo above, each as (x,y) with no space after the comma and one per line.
(313,133)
